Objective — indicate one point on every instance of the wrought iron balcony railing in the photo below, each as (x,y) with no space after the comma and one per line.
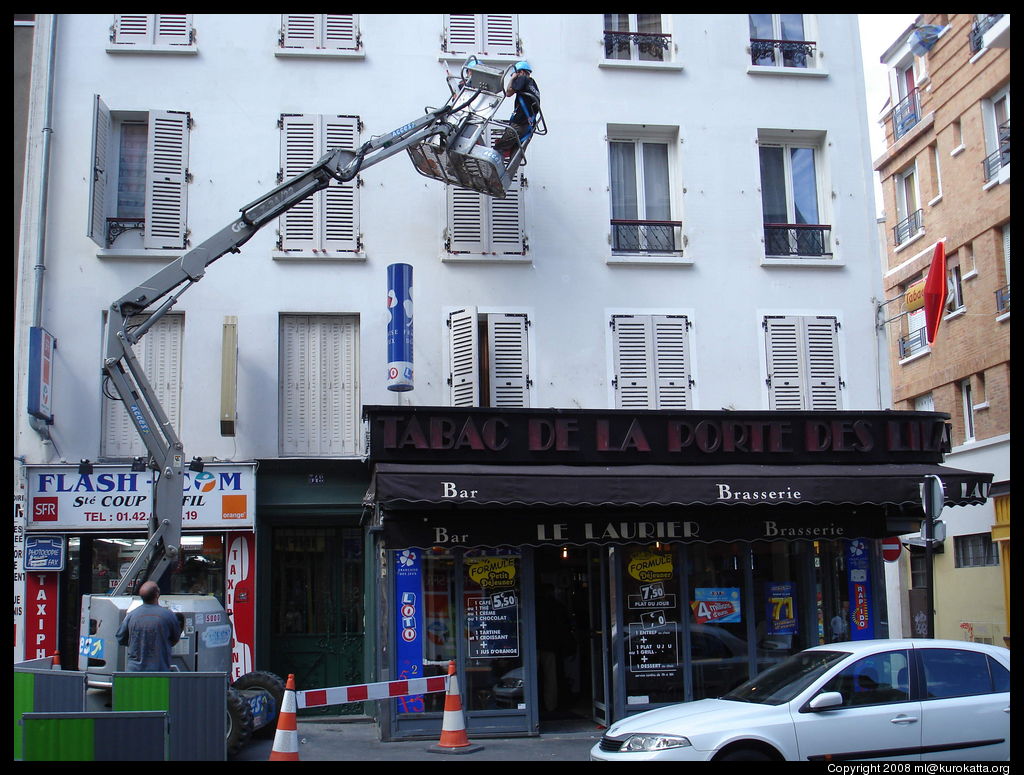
(1000,157)
(1003,300)
(906,115)
(650,45)
(908,227)
(645,236)
(794,53)
(913,342)
(983,23)
(806,240)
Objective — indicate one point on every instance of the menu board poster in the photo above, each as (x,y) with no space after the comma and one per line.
(492,610)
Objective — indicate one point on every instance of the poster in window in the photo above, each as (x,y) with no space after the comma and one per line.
(716,605)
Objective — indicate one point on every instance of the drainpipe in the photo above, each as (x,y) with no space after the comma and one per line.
(44,183)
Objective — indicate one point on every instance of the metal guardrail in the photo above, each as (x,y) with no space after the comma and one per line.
(1001,156)
(794,52)
(652,44)
(1003,300)
(808,240)
(913,343)
(908,227)
(906,114)
(632,236)
(978,29)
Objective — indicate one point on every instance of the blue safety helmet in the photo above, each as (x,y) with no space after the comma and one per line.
(524,65)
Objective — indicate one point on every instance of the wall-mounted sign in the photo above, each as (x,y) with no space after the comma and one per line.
(41,345)
(44,552)
(913,297)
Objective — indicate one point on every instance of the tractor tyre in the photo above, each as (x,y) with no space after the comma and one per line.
(273,686)
(239,722)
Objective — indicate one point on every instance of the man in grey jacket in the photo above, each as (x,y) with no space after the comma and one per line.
(149,631)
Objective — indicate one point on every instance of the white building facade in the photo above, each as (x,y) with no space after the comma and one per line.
(693,233)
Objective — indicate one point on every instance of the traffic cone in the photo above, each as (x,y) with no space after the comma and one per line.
(55,663)
(453,725)
(286,739)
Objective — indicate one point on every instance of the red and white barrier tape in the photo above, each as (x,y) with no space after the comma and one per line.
(338,695)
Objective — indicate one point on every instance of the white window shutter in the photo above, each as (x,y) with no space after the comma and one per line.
(508,359)
(300,30)
(671,362)
(785,375)
(299,151)
(505,218)
(340,31)
(98,189)
(823,382)
(174,29)
(159,352)
(132,28)
(166,172)
(466,232)
(295,385)
(335,406)
(499,34)
(340,205)
(632,360)
(464,359)
(462,31)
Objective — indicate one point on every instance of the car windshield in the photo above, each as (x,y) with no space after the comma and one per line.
(782,682)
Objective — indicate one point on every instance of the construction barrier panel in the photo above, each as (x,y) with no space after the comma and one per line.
(98,736)
(383,690)
(38,688)
(196,704)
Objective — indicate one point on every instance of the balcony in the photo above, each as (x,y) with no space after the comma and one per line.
(802,240)
(999,158)
(1003,300)
(985,22)
(908,227)
(650,46)
(645,236)
(791,53)
(906,115)
(913,343)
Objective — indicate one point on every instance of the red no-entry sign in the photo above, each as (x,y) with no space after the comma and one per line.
(891,548)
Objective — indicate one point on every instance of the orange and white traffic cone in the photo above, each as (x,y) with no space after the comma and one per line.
(453,724)
(55,662)
(286,739)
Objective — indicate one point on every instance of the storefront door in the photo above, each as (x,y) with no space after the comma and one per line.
(316,608)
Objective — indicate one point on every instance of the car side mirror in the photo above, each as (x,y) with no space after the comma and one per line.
(826,701)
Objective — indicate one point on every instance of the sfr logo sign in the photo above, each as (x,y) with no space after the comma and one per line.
(44,509)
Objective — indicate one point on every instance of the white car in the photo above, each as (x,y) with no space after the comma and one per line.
(876,699)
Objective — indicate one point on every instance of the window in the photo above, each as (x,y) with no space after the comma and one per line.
(996,121)
(954,285)
(319,385)
(909,216)
(968,405)
(483,34)
(320,31)
(803,362)
(326,223)
(1003,293)
(790,200)
(780,40)
(640,171)
(936,175)
(959,673)
(159,352)
(651,360)
(485,225)
(488,358)
(152,31)
(139,178)
(907,111)
(874,680)
(975,551)
(636,37)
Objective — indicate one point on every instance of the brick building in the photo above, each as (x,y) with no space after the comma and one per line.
(945,177)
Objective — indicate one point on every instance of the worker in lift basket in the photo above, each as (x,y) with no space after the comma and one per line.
(527,105)
(149,631)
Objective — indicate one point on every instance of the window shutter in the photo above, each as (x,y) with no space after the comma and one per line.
(159,352)
(463,349)
(505,217)
(499,34)
(132,28)
(785,376)
(632,358)
(465,220)
(508,362)
(340,31)
(173,29)
(299,30)
(98,189)
(462,32)
(823,363)
(335,404)
(294,385)
(671,362)
(166,171)
(340,202)
(299,143)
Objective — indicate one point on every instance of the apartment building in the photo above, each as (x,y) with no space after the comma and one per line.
(945,177)
(651,369)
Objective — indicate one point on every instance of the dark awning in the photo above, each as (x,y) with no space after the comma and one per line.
(431,486)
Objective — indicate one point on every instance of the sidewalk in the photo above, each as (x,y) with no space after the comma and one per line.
(321,741)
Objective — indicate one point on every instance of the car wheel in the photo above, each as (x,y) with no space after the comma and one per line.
(744,755)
